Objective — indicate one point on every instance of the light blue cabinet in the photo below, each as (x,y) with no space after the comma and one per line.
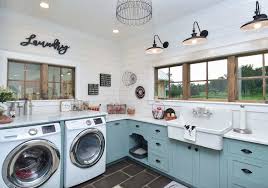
(244,165)
(117,140)
(195,165)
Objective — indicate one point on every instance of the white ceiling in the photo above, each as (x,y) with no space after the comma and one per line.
(98,16)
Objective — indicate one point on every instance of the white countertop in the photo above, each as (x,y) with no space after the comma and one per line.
(146,119)
(48,118)
(258,136)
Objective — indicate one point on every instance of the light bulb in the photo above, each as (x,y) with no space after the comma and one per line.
(44,5)
(194,41)
(257,25)
(115,31)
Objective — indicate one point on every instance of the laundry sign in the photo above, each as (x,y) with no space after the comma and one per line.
(56,44)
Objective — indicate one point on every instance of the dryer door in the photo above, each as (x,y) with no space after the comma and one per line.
(31,164)
(87,148)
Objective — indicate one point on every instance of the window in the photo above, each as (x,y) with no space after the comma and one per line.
(252,77)
(208,80)
(40,81)
(169,83)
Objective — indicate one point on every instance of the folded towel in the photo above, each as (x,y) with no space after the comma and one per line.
(190,132)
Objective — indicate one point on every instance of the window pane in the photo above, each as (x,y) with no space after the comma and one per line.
(32,72)
(53,74)
(67,91)
(16,71)
(198,71)
(217,69)
(250,66)
(218,89)
(250,89)
(198,89)
(66,74)
(176,74)
(17,87)
(53,90)
(176,90)
(162,89)
(163,74)
(32,90)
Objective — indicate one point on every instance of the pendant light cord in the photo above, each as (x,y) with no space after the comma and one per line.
(257,12)
(196,23)
(158,39)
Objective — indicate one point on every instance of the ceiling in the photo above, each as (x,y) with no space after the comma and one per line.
(98,17)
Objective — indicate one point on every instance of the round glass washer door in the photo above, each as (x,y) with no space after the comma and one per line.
(87,148)
(30,164)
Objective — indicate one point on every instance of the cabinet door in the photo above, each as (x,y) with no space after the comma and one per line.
(116,141)
(181,161)
(207,167)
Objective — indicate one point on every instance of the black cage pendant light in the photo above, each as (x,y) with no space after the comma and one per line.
(259,20)
(157,49)
(195,38)
(134,12)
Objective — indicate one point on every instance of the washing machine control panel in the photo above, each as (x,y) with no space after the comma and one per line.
(98,121)
(48,129)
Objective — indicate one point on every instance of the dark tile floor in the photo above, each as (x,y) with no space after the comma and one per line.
(127,174)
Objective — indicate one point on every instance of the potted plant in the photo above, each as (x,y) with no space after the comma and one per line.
(5,95)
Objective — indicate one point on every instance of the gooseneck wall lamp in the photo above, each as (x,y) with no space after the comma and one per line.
(157,49)
(195,38)
(259,20)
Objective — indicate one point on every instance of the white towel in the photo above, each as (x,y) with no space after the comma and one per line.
(190,132)
(174,184)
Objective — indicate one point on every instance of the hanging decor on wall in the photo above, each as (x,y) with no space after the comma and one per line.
(259,20)
(196,39)
(140,92)
(105,80)
(31,40)
(157,49)
(129,78)
(93,89)
(134,12)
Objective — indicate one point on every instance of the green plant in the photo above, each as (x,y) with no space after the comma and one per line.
(6,95)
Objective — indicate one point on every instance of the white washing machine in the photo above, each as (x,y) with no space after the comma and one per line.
(85,150)
(30,156)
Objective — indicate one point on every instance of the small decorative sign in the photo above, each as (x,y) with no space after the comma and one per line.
(93,89)
(31,40)
(105,80)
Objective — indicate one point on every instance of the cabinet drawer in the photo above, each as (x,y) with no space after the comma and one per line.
(158,161)
(158,131)
(246,149)
(138,128)
(158,146)
(246,174)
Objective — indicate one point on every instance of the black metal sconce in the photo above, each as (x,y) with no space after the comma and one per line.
(196,39)
(259,20)
(157,49)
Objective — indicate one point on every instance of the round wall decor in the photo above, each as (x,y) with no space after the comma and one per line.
(140,92)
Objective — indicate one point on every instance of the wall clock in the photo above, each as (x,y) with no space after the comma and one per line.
(140,92)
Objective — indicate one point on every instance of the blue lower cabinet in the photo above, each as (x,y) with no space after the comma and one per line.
(195,165)
(116,141)
(206,168)
(159,162)
(181,161)
(244,165)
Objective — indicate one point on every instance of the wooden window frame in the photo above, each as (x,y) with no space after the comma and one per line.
(232,77)
(43,78)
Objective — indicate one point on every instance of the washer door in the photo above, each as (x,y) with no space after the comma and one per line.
(31,164)
(87,148)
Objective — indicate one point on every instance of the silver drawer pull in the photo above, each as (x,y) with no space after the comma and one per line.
(157,161)
(246,171)
(246,151)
